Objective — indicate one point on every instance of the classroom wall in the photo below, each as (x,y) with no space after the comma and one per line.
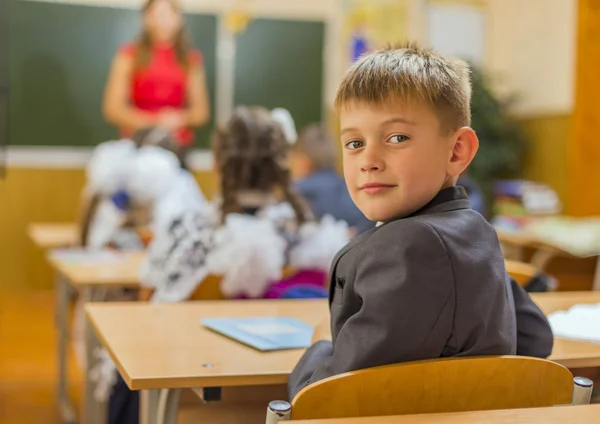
(531,52)
(518,33)
(584,148)
(308,9)
(531,49)
(547,161)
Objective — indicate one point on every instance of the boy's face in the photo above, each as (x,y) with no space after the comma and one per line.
(396,159)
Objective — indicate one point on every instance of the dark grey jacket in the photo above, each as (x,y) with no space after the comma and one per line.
(426,286)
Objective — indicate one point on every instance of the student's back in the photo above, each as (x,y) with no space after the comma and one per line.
(327,194)
(440,270)
(252,231)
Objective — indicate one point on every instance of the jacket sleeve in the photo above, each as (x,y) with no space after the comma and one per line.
(534,334)
(397,278)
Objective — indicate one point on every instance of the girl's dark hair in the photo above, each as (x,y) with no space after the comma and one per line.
(143,51)
(251,153)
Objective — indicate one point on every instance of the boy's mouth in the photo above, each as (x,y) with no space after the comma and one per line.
(375,188)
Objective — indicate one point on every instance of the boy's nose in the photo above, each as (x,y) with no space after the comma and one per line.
(371,160)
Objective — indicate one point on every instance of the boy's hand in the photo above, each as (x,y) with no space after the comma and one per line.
(322,331)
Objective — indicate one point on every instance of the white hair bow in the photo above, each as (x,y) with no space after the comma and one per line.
(284,118)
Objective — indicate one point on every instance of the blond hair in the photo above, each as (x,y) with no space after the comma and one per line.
(411,73)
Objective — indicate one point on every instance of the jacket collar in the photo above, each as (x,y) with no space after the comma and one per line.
(448,199)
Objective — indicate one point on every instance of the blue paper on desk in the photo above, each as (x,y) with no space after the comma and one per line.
(264,333)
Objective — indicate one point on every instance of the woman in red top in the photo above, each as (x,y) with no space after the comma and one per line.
(158,81)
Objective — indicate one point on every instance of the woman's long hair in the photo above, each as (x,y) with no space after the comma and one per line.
(143,51)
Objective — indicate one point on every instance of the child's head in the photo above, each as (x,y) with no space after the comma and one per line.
(313,151)
(251,155)
(404,117)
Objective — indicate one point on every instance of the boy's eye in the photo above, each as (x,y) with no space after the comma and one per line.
(354,144)
(396,139)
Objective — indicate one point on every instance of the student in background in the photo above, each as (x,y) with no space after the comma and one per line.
(158,80)
(313,163)
(134,185)
(257,227)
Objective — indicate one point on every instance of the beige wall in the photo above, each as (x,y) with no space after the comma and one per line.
(532,52)
(531,47)
(298,9)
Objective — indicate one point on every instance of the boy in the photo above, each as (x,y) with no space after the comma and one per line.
(313,161)
(429,281)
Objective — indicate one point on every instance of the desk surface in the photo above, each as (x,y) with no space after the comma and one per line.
(121,273)
(570,353)
(557,414)
(52,235)
(170,348)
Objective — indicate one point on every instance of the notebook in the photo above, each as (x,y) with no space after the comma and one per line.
(264,333)
(580,322)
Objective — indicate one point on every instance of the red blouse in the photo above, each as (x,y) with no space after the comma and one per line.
(161,84)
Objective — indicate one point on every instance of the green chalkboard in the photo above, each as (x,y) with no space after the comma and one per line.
(280,64)
(4,45)
(4,8)
(60,55)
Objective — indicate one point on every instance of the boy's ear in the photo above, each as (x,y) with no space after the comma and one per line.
(465,144)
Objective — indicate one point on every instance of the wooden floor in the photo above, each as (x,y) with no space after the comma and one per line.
(28,370)
(28,359)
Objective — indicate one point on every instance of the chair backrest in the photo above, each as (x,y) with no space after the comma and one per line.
(440,385)
(521,272)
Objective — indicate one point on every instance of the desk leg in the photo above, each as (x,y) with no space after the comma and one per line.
(66,408)
(94,412)
(168,406)
(149,400)
(597,275)
(541,258)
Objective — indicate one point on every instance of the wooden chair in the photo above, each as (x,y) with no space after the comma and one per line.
(440,385)
(521,272)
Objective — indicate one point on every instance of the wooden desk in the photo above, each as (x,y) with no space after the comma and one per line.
(557,414)
(50,236)
(120,273)
(90,281)
(570,353)
(515,242)
(172,351)
(180,346)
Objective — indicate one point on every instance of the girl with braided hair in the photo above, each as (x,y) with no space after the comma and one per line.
(257,227)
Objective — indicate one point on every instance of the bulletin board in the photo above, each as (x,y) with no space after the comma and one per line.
(378,22)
